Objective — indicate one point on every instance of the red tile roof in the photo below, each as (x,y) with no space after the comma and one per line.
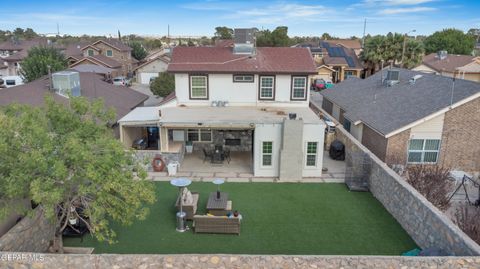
(123,99)
(279,60)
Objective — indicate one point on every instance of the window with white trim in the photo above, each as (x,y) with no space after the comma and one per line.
(198,87)
(423,150)
(312,151)
(199,135)
(242,78)
(299,88)
(109,53)
(267,152)
(267,84)
(90,52)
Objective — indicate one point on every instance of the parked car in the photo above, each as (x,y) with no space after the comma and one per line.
(122,81)
(321,84)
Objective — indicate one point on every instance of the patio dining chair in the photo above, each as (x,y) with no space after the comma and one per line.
(207,155)
(226,155)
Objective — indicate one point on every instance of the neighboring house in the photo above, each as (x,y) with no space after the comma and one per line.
(13,51)
(411,117)
(354,44)
(334,62)
(449,65)
(151,69)
(89,85)
(3,68)
(158,53)
(110,53)
(239,98)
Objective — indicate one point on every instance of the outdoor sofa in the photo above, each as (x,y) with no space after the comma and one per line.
(216,224)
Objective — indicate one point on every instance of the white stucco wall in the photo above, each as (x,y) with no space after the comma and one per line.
(313,133)
(222,88)
(431,129)
(267,132)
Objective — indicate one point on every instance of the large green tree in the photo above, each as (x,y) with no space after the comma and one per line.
(163,85)
(138,51)
(276,38)
(389,50)
(223,32)
(452,40)
(40,60)
(66,159)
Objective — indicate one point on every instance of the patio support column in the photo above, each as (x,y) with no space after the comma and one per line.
(163,145)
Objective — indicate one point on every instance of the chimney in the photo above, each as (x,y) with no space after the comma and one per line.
(66,83)
(244,41)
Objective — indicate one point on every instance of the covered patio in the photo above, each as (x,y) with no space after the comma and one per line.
(241,162)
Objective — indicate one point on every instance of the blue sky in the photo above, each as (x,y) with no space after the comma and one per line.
(197,18)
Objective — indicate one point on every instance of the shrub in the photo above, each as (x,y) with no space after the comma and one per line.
(433,182)
(163,85)
(467,218)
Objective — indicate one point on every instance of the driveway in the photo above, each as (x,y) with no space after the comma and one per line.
(145,89)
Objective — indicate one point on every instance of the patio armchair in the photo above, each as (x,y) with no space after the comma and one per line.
(207,155)
(189,207)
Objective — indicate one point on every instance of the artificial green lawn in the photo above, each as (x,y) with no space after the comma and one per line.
(278,218)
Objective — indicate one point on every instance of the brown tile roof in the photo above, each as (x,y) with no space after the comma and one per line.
(162,58)
(114,43)
(75,50)
(100,59)
(23,44)
(334,60)
(280,60)
(168,98)
(449,64)
(123,99)
(347,43)
(224,43)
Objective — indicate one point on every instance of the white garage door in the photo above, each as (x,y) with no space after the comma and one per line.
(144,78)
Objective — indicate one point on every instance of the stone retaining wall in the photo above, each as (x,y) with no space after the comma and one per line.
(31,234)
(16,260)
(148,155)
(427,225)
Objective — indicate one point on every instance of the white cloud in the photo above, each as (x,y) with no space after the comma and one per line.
(391,11)
(396,2)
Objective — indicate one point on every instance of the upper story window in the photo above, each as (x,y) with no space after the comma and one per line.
(267,88)
(109,53)
(90,52)
(299,88)
(423,150)
(242,78)
(198,87)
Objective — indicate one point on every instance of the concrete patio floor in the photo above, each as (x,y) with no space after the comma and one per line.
(240,170)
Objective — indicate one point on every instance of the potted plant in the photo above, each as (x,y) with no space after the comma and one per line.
(189,146)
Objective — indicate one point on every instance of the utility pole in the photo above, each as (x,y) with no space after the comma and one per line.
(404,45)
(168,35)
(363,38)
(58,29)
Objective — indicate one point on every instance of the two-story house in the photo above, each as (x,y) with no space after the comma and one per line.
(13,51)
(110,53)
(334,60)
(251,101)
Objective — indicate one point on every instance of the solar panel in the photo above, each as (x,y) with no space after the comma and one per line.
(350,61)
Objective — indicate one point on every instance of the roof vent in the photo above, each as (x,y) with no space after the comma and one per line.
(442,55)
(393,77)
(414,79)
(66,83)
